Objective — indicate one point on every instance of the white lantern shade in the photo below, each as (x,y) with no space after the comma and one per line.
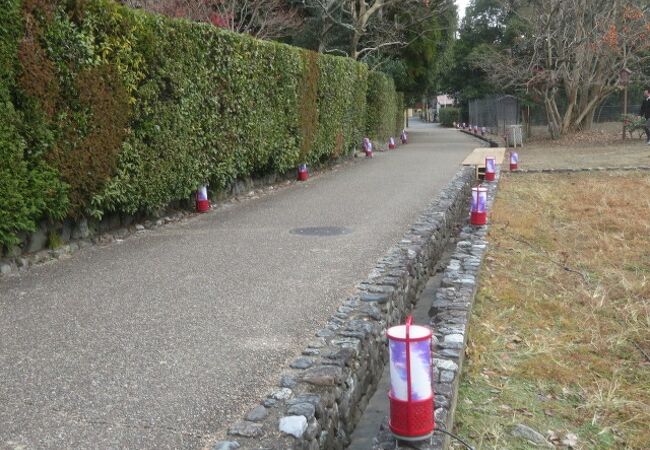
(479,199)
(490,164)
(202,193)
(419,345)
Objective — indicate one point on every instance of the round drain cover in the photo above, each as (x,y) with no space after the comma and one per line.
(321,231)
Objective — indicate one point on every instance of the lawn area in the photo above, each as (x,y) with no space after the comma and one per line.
(600,147)
(560,334)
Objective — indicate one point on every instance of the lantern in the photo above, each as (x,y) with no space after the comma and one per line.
(478,215)
(514,160)
(490,168)
(303,172)
(367,147)
(202,202)
(411,394)
(391,143)
(404,137)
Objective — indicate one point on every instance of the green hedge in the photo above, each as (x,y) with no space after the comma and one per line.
(110,109)
(382,107)
(448,116)
(400,110)
(29,188)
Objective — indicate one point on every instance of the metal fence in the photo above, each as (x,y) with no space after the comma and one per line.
(495,112)
(498,112)
(604,113)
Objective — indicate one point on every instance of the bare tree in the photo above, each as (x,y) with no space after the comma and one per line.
(572,52)
(264,19)
(371,26)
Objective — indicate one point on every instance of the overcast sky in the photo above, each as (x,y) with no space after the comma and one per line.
(462,4)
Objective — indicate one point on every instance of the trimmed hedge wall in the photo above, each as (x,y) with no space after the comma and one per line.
(29,187)
(112,110)
(382,107)
(448,116)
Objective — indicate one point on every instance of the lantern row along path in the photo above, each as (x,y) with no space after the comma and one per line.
(165,339)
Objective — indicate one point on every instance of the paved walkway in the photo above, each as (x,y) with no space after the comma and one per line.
(165,339)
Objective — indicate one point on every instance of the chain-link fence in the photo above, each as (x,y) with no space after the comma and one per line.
(495,112)
(604,113)
(498,112)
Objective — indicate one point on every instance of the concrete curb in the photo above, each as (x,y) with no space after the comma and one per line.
(322,395)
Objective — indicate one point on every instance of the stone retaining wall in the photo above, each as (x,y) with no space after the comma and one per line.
(321,397)
(70,236)
(451,312)
(484,138)
(450,315)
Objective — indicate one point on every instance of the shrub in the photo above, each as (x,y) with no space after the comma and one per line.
(448,116)
(382,107)
(340,121)
(29,189)
(399,114)
(112,109)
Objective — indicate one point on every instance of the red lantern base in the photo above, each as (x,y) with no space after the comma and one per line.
(513,166)
(411,421)
(202,205)
(303,176)
(489,176)
(478,218)
(391,146)
(368,154)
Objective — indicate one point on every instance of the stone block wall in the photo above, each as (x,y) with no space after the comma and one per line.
(54,240)
(322,395)
(450,315)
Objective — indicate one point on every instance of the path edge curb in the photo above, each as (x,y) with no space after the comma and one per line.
(321,396)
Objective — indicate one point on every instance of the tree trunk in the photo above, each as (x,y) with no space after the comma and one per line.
(552,116)
(354,45)
(587,121)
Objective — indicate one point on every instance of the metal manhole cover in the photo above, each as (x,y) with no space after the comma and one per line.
(321,231)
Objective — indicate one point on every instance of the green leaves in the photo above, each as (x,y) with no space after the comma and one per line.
(383,108)
(448,116)
(29,189)
(146,108)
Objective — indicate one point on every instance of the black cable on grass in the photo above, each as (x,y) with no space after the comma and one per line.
(454,437)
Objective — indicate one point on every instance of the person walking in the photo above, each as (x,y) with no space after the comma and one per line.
(645,112)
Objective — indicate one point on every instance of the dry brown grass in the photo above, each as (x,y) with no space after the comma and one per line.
(560,337)
(600,147)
